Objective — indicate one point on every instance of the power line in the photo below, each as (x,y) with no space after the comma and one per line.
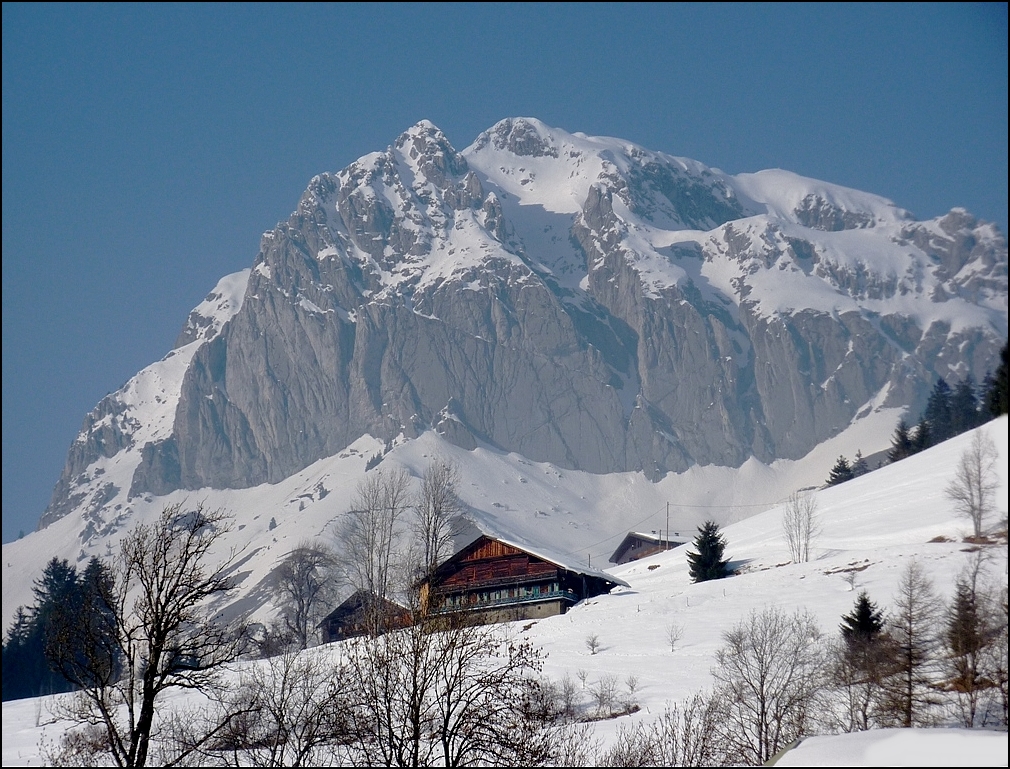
(624,530)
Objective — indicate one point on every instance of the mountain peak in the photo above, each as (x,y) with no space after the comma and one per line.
(427,151)
(522,136)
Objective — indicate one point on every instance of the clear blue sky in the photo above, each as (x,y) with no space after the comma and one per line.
(147,147)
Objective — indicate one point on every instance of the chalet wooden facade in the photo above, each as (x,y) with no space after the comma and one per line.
(501,581)
(638,544)
(350,619)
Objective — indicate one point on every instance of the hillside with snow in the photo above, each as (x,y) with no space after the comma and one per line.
(872,527)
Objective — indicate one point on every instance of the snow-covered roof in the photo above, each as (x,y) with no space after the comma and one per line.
(549,556)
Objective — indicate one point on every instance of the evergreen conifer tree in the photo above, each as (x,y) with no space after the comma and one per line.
(864,623)
(841,472)
(996,393)
(964,410)
(708,563)
(923,437)
(863,662)
(26,670)
(23,662)
(80,635)
(901,443)
(938,413)
(859,465)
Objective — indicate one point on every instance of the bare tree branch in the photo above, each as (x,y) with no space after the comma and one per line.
(973,490)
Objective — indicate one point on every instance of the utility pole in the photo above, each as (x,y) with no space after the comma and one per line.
(668,525)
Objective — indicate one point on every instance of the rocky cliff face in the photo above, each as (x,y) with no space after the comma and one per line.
(578,300)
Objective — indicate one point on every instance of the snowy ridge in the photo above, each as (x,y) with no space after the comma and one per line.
(797,244)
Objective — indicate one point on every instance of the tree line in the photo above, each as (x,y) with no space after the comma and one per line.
(949,411)
(952,411)
(69,608)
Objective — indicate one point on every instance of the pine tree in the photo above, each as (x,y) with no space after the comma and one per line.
(964,407)
(923,437)
(80,635)
(840,473)
(23,661)
(708,563)
(863,663)
(901,443)
(938,413)
(996,394)
(864,623)
(974,637)
(859,466)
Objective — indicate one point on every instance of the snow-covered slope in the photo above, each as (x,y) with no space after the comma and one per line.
(535,502)
(872,527)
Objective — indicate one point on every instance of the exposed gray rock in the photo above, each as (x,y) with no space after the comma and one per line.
(819,214)
(106,431)
(407,292)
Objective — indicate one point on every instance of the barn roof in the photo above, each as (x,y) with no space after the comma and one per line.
(355,601)
(658,539)
(545,554)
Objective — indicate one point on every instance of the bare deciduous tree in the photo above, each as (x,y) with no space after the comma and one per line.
(436,508)
(293,712)
(858,670)
(973,490)
(674,632)
(685,734)
(448,691)
(164,640)
(369,539)
(604,694)
(768,680)
(800,525)
(306,583)
(593,643)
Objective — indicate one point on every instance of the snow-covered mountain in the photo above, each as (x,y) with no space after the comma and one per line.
(590,329)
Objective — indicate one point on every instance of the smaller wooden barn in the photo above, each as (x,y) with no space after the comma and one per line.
(500,580)
(351,618)
(638,544)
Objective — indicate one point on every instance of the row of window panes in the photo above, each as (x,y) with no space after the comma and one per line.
(505,594)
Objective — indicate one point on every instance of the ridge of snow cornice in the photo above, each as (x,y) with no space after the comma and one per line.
(206,320)
(788,196)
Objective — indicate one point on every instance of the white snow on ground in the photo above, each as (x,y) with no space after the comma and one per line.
(876,524)
(901,747)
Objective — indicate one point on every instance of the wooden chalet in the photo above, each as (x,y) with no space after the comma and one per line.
(501,580)
(638,544)
(350,619)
